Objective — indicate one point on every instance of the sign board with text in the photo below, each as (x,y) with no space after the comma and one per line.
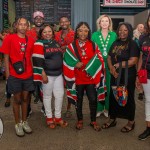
(124,3)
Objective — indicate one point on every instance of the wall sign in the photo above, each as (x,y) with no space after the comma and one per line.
(124,3)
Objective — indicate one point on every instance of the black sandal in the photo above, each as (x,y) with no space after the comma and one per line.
(129,127)
(109,124)
(95,126)
(7,103)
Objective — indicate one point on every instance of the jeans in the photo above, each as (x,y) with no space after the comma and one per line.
(146,88)
(55,85)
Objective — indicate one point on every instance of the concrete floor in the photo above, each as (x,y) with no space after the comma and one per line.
(44,138)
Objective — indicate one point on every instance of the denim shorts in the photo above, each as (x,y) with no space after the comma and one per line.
(16,85)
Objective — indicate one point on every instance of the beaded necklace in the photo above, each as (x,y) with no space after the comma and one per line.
(83,49)
(104,44)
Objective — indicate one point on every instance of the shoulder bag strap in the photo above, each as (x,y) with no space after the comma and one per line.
(120,70)
(24,59)
(147,59)
(126,73)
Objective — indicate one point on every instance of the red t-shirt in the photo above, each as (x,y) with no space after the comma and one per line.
(80,75)
(12,45)
(32,33)
(67,40)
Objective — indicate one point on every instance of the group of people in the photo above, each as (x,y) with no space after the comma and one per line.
(81,62)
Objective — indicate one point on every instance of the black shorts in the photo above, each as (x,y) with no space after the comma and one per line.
(16,85)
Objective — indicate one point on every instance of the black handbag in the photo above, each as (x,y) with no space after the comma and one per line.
(19,66)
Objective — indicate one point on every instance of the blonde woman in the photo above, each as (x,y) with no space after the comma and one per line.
(104,37)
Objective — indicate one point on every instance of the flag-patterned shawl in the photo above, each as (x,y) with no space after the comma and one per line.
(95,68)
(38,60)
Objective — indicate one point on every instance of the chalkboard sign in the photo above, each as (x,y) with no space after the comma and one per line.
(5,14)
(52,9)
(23,8)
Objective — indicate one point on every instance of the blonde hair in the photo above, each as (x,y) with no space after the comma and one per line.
(99,20)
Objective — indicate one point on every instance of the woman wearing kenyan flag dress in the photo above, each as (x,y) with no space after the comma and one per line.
(79,59)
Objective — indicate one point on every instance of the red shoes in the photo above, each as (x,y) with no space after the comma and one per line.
(79,125)
(60,122)
(50,122)
(95,126)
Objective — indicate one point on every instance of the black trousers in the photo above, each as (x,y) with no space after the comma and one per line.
(92,97)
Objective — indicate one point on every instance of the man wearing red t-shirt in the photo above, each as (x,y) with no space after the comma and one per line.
(18,51)
(64,37)
(38,20)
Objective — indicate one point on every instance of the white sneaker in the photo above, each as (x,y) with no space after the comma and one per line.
(26,127)
(99,113)
(19,129)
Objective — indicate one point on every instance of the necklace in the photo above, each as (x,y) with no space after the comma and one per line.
(104,45)
(83,49)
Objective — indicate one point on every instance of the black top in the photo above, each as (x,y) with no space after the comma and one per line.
(53,58)
(122,51)
(145,47)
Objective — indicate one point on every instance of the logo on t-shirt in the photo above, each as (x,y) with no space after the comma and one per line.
(23,47)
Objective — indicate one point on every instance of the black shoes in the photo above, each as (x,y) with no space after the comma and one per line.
(7,103)
(145,134)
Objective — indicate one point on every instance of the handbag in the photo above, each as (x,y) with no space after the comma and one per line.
(120,92)
(142,73)
(19,65)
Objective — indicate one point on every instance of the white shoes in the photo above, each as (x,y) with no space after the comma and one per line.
(19,129)
(26,127)
(99,113)
(22,128)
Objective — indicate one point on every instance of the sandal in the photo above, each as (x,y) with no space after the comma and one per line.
(7,103)
(109,124)
(50,123)
(79,125)
(60,122)
(95,126)
(129,127)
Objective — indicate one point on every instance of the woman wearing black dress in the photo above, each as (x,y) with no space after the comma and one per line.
(122,50)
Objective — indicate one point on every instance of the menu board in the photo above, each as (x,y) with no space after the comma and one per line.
(5,14)
(23,8)
(52,9)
